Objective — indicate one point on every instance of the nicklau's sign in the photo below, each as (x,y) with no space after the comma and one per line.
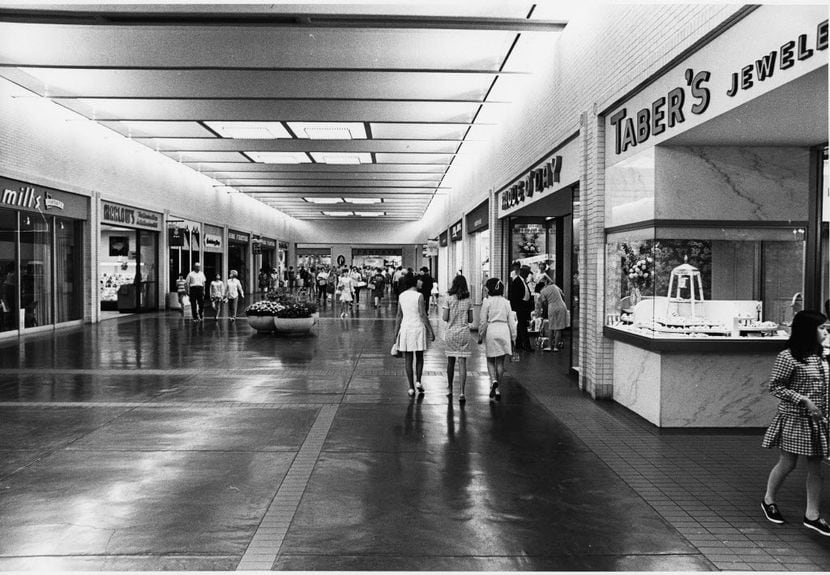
(125,215)
(536,181)
(672,108)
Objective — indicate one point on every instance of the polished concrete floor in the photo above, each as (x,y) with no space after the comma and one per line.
(152,443)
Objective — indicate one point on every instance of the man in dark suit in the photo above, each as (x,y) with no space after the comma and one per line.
(521,301)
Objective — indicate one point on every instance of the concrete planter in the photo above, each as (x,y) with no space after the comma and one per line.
(295,324)
(262,323)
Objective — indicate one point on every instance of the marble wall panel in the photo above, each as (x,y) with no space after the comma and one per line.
(637,380)
(720,390)
(629,185)
(731,183)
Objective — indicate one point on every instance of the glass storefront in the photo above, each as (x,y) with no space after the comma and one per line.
(238,248)
(41,263)
(184,240)
(824,187)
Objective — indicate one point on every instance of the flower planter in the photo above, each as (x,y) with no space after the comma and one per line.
(262,323)
(294,324)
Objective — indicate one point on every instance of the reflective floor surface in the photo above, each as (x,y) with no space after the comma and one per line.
(150,442)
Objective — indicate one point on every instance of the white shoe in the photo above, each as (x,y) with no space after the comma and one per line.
(419,387)
(411,392)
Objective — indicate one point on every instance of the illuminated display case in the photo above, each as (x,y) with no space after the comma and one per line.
(704,283)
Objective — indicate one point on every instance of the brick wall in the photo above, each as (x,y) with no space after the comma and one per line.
(604,52)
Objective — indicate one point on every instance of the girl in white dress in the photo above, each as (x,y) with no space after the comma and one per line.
(412,328)
(345,287)
(497,331)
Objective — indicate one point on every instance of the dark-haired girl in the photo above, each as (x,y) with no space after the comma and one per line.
(457,311)
(497,332)
(800,380)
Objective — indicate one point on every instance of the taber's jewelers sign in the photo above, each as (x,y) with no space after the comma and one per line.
(771,46)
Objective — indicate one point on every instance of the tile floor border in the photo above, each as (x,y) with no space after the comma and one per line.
(265,545)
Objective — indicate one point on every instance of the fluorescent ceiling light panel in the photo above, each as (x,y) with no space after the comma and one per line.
(342,158)
(369,214)
(337,214)
(364,200)
(313,200)
(279,157)
(329,130)
(249,130)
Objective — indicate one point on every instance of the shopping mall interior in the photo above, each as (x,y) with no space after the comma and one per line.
(657,173)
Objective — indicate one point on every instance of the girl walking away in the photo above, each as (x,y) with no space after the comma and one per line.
(181,291)
(411,329)
(800,380)
(345,287)
(457,311)
(378,284)
(217,295)
(497,332)
(233,293)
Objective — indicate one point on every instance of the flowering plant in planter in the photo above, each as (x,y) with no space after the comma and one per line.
(281,304)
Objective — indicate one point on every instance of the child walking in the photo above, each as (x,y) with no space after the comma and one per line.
(800,380)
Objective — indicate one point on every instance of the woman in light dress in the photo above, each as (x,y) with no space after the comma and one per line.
(551,305)
(457,311)
(345,287)
(412,328)
(497,331)
(233,293)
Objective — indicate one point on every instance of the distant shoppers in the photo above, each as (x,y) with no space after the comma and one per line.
(551,306)
(181,291)
(196,281)
(411,330)
(217,295)
(322,281)
(457,311)
(497,331)
(292,278)
(425,283)
(233,293)
(378,286)
(345,291)
(521,300)
(264,280)
(800,379)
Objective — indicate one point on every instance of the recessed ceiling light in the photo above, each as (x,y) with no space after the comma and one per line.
(342,158)
(279,157)
(313,200)
(337,214)
(363,200)
(329,130)
(370,214)
(249,130)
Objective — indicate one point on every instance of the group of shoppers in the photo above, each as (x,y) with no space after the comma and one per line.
(218,293)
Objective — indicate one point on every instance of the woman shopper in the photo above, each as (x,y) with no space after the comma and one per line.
(497,331)
(411,330)
(233,293)
(800,379)
(551,305)
(457,311)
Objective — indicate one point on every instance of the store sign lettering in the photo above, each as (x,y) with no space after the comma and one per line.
(119,214)
(671,110)
(29,197)
(455,232)
(536,181)
(213,241)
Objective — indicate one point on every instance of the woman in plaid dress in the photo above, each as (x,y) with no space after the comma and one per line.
(457,311)
(800,380)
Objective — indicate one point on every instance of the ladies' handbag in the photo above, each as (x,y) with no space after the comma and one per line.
(394,352)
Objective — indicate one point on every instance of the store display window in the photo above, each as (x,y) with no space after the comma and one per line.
(8,270)
(705,283)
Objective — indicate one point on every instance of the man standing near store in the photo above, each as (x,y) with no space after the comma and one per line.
(196,281)
(521,301)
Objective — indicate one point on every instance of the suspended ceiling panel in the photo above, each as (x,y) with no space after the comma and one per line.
(421,81)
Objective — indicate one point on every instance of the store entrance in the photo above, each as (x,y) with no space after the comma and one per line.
(128,269)
(213,266)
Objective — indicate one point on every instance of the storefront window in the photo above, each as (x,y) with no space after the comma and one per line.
(825,234)
(576,248)
(148,261)
(35,270)
(68,280)
(705,283)
(117,263)
(8,270)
